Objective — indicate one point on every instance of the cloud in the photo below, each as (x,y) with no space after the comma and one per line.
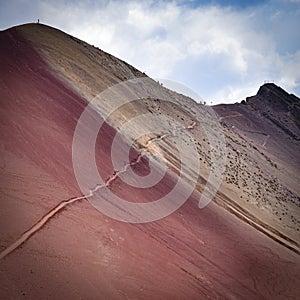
(291,1)
(222,52)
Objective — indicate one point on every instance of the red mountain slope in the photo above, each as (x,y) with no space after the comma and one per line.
(80,252)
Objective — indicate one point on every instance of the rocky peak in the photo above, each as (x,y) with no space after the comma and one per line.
(282,108)
(272,97)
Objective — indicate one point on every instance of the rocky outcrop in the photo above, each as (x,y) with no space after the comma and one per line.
(281,108)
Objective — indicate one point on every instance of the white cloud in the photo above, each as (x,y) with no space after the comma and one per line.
(219,52)
(291,1)
(290,71)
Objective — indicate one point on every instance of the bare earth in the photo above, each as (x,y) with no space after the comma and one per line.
(241,246)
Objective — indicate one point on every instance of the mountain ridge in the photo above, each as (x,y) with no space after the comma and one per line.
(222,251)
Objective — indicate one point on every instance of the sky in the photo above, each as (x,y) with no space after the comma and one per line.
(222,50)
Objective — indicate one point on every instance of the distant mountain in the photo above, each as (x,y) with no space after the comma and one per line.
(55,244)
(271,114)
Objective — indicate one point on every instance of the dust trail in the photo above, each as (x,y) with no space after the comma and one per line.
(230,116)
(38,225)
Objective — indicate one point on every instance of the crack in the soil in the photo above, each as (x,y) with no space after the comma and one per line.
(59,207)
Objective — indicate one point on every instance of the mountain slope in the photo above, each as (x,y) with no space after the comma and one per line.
(271,119)
(93,70)
(269,122)
(47,80)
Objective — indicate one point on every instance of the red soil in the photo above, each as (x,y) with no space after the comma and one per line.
(192,254)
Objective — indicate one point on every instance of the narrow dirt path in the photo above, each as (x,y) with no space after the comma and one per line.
(251,131)
(230,116)
(267,136)
(58,208)
(231,206)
